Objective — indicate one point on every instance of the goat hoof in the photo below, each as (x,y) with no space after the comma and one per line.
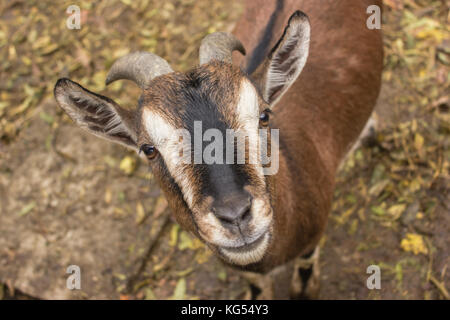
(306,281)
(260,286)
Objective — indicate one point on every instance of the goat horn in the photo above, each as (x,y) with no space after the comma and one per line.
(219,46)
(140,67)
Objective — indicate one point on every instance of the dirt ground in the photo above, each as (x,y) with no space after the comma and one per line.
(60,185)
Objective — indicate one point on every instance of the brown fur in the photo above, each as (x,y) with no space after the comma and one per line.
(320,116)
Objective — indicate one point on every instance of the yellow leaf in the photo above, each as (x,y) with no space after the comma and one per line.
(12,52)
(197,244)
(434,34)
(418,141)
(414,243)
(423,73)
(396,210)
(108,196)
(98,80)
(41,42)
(399,44)
(413,125)
(120,53)
(185,241)
(378,187)
(203,256)
(174,235)
(140,213)
(127,2)
(128,165)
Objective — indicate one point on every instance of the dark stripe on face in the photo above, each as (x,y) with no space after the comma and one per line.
(218,180)
(208,94)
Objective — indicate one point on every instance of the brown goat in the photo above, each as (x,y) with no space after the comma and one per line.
(252,220)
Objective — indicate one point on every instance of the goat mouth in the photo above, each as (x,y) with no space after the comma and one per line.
(248,253)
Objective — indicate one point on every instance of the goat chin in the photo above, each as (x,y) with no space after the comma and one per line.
(245,256)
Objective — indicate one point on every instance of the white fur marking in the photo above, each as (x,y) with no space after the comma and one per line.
(248,114)
(247,257)
(165,138)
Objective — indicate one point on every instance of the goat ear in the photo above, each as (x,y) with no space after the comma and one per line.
(287,59)
(97,114)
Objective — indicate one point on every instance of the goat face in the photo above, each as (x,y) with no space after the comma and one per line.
(224,199)
(227,200)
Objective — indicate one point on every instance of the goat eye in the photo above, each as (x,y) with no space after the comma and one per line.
(149,150)
(264,118)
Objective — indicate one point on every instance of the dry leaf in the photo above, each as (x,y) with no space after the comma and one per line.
(140,213)
(128,165)
(414,243)
(174,235)
(180,290)
(396,210)
(108,196)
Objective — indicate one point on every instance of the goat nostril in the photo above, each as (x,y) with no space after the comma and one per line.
(234,212)
(246,215)
(225,220)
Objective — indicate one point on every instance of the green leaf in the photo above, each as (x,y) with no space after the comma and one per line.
(149,295)
(180,290)
(222,275)
(27,209)
(46,117)
(379,211)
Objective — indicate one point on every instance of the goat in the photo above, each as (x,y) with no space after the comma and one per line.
(317,83)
